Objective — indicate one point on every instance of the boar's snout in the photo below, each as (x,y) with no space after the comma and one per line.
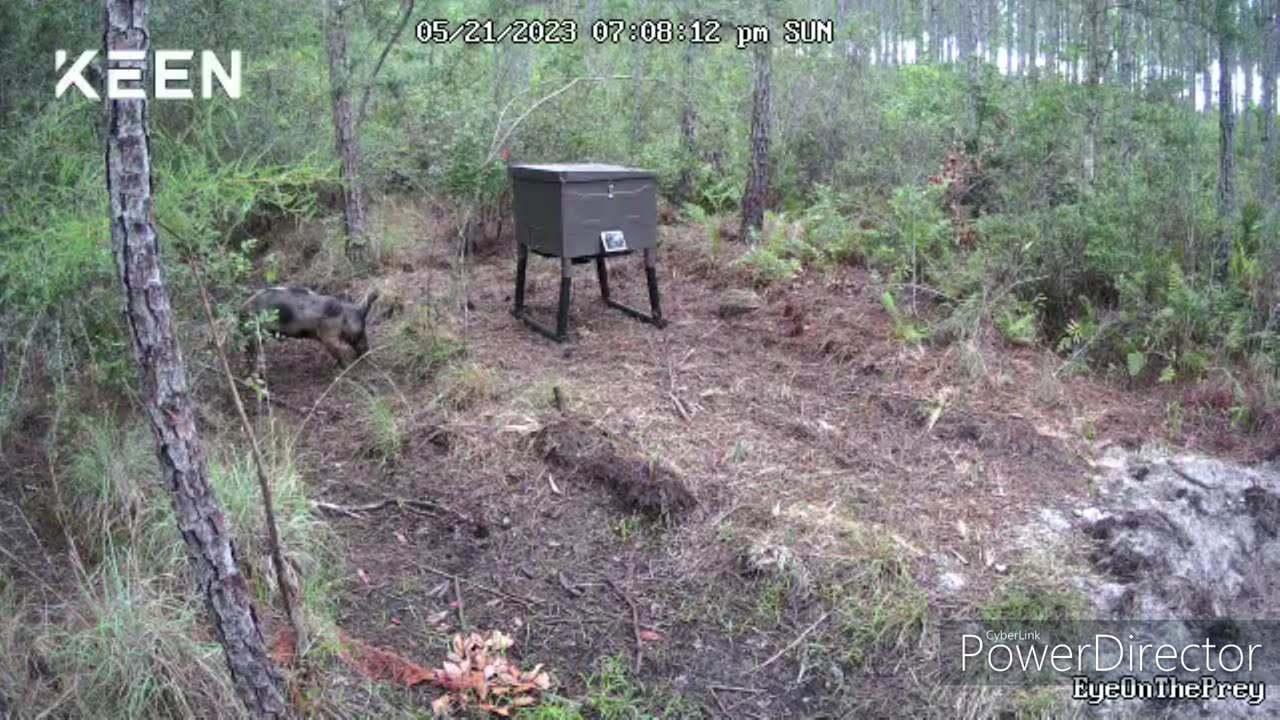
(362,345)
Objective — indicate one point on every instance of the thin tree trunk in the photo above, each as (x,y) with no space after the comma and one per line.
(1095,21)
(1126,78)
(1155,56)
(1034,45)
(688,131)
(346,139)
(1051,51)
(970,32)
(757,190)
(922,29)
(1226,148)
(1010,53)
(1271,58)
(638,108)
(1207,89)
(1193,53)
(1246,64)
(935,30)
(166,397)
(1021,29)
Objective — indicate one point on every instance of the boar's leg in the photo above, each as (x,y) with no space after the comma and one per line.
(335,346)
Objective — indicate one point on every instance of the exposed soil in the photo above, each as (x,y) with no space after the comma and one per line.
(599,499)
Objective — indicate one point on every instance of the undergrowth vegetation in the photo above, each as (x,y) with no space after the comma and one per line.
(997,236)
(127,633)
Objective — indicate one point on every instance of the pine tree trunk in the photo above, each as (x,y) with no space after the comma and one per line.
(1246,64)
(346,140)
(1207,88)
(935,31)
(1051,51)
(1126,78)
(1034,45)
(1193,53)
(1226,154)
(757,190)
(970,32)
(166,397)
(1010,52)
(688,132)
(1022,41)
(1271,58)
(1155,56)
(1095,21)
(638,107)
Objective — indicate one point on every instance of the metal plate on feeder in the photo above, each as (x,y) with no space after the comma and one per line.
(613,241)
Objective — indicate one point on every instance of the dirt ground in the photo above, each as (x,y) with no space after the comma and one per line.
(821,456)
(743,517)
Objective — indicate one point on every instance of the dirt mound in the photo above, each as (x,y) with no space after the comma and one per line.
(588,454)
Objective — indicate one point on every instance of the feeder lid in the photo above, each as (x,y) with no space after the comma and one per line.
(582,172)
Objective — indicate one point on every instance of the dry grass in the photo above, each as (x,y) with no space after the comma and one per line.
(831,465)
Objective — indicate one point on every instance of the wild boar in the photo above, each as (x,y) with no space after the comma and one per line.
(300,313)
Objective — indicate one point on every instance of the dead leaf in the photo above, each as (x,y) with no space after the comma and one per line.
(649,635)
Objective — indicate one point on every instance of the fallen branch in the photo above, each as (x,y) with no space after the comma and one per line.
(737,689)
(526,601)
(400,503)
(457,593)
(675,400)
(635,624)
(799,639)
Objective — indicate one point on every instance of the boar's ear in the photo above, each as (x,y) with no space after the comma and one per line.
(368,303)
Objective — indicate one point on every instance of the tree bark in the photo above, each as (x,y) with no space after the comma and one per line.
(1226,143)
(1051,51)
(1246,101)
(1155,55)
(1192,51)
(1207,88)
(1033,46)
(346,139)
(1271,58)
(1095,21)
(688,131)
(166,397)
(1126,78)
(969,30)
(1010,53)
(757,190)
(935,30)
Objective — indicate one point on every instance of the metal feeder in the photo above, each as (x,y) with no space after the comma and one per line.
(582,212)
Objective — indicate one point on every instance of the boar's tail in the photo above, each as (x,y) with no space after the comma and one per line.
(368,303)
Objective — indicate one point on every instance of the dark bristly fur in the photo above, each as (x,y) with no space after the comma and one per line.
(300,313)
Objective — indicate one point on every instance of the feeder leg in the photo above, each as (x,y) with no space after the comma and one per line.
(522,265)
(651,274)
(603,273)
(562,315)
